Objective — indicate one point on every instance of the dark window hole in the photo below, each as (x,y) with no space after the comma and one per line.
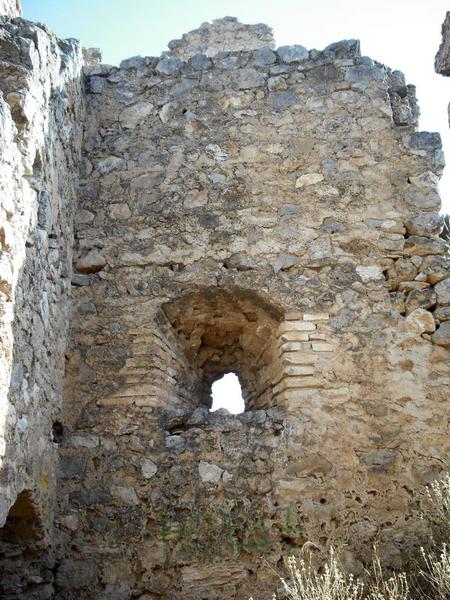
(58,432)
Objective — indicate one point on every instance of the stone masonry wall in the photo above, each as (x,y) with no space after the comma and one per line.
(40,139)
(274,214)
(10,8)
(442,61)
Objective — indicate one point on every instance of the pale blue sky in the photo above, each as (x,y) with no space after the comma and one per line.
(404,34)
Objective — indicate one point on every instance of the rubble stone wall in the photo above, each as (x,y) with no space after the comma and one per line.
(40,143)
(10,8)
(235,208)
(274,214)
(442,61)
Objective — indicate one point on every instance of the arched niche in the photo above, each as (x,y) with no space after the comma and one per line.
(221,331)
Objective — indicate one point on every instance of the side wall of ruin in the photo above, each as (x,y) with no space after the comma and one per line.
(40,144)
(442,61)
(10,8)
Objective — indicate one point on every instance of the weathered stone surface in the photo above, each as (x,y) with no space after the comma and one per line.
(270,214)
(426,224)
(362,75)
(10,8)
(435,268)
(264,56)
(441,336)
(248,78)
(442,61)
(41,121)
(92,262)
(369,273)
(222,35)
(344,49)
(92,57)
(442,313)
(442,290)
(421,321)
(169,65)
(425,298)
(422,246)
(209,473)
(282,100)
(120,210)
(133,115)
(148,468)
(309,179)
(292,54)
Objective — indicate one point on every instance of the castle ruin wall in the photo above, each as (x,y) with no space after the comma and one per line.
(442,61)
(272,213)
(40,142)
(10,8)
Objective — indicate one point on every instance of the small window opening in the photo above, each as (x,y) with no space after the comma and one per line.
(58,432)
(227,393)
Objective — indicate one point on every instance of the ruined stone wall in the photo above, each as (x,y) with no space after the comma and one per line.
(40,143)
(442,61)
(10,8)
(269,213)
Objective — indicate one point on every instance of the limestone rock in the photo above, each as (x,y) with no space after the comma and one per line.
(344,49)
(420,298)
(209,473)
(222,35)
(92,262)
(119,210)
(124,494)
(10,8)
(442,313)
(369,273)
(442,61)
(442,290)
(292,54)
(421,321)
(264,56)
(248,78)
(424,224)
(309,179)
(112,163)
(281,101)
(422,246)
(169,65)
(148,468)
(435,268)
(92,56)
(441,336)
(131,116)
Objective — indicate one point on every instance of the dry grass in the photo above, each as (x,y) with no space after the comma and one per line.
(436,573)
(332,582)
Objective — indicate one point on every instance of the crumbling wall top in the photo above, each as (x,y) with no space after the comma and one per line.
(10,8)
(442,61)
(92,56)
(226,34)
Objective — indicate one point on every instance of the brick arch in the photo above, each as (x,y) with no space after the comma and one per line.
(226,330)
